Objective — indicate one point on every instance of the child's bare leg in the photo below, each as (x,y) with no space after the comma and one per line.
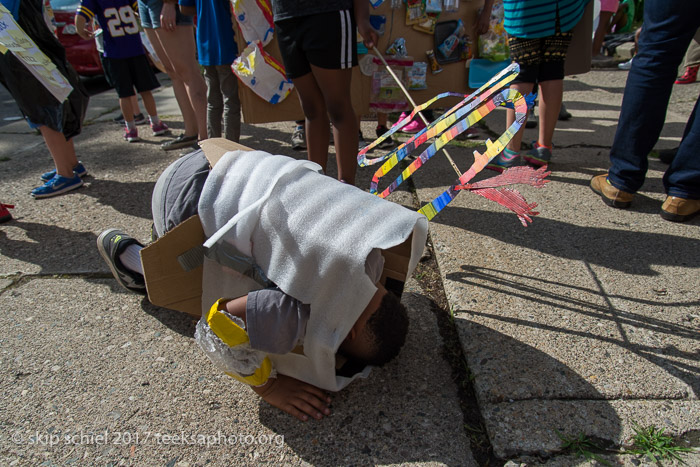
(601,31)
(314,107)
(179,46)
(335,87)
(135,104)
(149,103)
(127,108)
(62,151)
(183,100)
(550,102)
(514,144)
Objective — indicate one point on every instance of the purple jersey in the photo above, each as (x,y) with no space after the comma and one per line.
(119,23)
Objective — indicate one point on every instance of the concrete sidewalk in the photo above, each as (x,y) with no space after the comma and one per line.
(585,322)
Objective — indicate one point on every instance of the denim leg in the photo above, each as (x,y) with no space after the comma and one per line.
(668,27)
(232,105)
(682,178)
(215,104)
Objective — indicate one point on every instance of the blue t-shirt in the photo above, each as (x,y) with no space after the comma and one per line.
(12,6)
(118,20)
(215,43)
(537,18)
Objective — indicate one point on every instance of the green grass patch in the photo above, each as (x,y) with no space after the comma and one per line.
(653,443)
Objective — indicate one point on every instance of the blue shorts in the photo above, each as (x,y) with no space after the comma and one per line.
(149,12)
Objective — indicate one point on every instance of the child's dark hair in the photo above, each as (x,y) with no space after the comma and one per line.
(387,329)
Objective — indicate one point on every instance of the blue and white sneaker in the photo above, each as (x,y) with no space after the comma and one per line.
(57,186)
(503,161)
(79,170)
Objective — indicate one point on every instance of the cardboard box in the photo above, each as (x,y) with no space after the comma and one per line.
(453,77)
(173,264)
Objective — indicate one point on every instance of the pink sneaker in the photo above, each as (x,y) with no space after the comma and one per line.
(160,129)
(132,136)
(401,117)
(414,127)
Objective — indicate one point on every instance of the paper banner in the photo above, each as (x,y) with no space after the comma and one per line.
(454,122)
(14,39)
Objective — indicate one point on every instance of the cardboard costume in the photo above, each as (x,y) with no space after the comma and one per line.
(309,234)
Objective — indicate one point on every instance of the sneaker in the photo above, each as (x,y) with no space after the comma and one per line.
(414,127)
(690,75)
(503,161)
(677,209)
(79,170)
(56,186)
(401,117)
(538,155)
(111,243)
(299,138)
(388,143)
(531,118)
(160,129)
(131,136)
(563,113)
(180,142)
(611,195)
(139,119)
(5,215)
(625,65)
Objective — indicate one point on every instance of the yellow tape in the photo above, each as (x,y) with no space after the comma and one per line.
(233,335)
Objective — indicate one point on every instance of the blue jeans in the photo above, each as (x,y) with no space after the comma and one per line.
(669,26)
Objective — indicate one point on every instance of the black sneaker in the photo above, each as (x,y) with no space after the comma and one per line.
(180,142)
(111,243)
(139,119)
(388,143)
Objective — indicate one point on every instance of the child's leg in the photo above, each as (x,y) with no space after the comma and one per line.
(135,104)
(314,108)
(232,105)
(334,86)
(183,101)
(127,111)
(215,101)
(601,31)
(551,93)
(179,46)
(149,103)
(62,151)
(514,143)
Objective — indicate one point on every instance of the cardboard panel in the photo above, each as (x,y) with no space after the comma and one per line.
(167,283)
(453,77)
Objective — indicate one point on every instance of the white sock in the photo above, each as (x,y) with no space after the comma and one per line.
(130,125)
(154,119)
(131,258)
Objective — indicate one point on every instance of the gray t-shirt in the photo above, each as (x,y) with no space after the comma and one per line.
(286,9)
(276,322)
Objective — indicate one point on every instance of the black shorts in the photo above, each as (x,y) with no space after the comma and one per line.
(540,59)
(325,40)
(126,74)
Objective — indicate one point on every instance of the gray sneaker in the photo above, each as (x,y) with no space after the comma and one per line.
(299,138)
(538,155)
(180,142)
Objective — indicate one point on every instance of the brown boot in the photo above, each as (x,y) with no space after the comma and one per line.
(611,195)
(677,209)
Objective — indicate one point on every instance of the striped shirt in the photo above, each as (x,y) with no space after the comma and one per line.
(537,18)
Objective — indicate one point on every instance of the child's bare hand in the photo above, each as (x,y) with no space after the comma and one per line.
(295,397)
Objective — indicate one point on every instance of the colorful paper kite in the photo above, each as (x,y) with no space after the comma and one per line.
(455,121)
